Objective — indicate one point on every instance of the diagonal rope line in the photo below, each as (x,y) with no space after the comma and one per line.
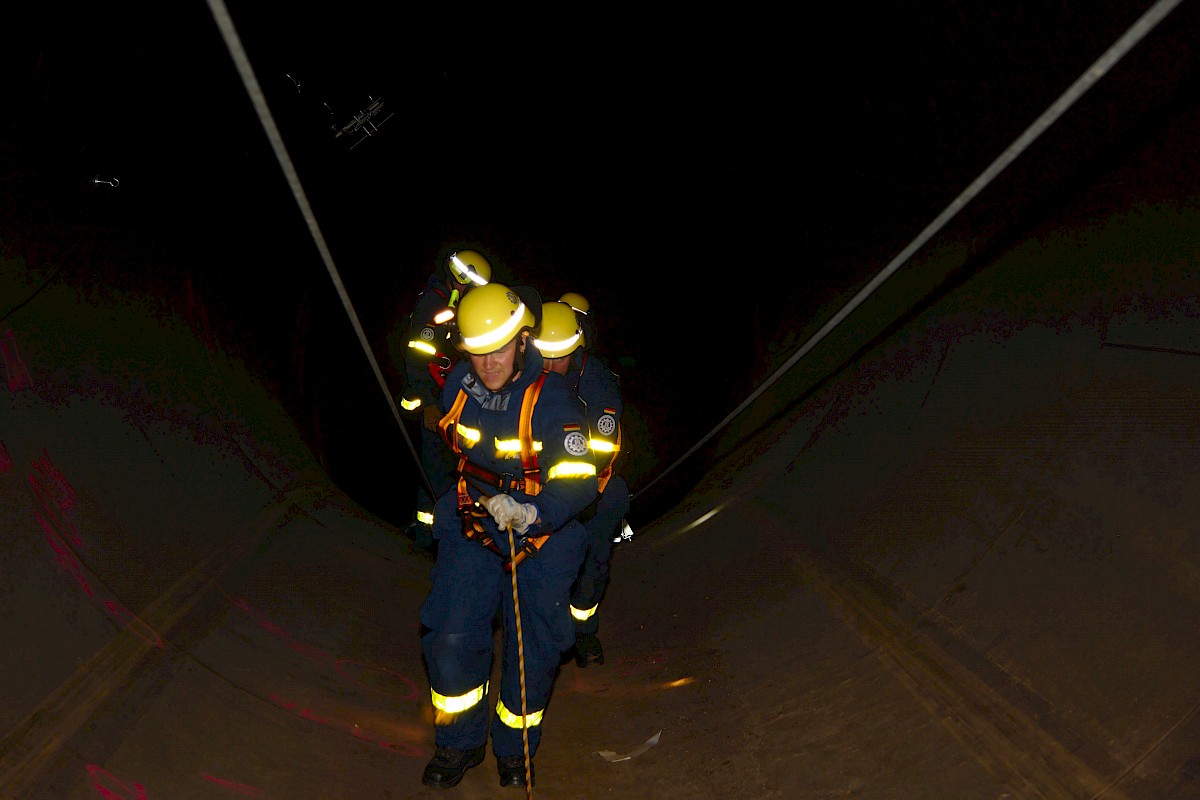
(1136,32)
(246,70)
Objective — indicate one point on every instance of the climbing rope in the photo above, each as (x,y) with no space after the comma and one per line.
(512,548)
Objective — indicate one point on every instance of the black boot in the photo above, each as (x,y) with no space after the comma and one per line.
(449,764)
(588,650)
(512,771)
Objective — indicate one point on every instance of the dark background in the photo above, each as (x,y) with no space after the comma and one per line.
(712,181)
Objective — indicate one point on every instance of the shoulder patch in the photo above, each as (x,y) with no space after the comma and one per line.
(427,334)
(575,443)
(606,425)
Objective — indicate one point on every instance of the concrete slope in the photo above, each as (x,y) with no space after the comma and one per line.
(963,566)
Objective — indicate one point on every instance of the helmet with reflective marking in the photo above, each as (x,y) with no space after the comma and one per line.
(576,301)
(490,316)
(561,333)
(583,310)
(469,267)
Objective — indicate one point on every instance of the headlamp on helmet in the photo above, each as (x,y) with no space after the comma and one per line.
(469,267)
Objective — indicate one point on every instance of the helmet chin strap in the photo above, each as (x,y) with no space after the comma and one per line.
(518,362)
(518,358)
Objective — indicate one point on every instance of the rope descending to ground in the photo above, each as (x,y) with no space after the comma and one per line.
(512,548)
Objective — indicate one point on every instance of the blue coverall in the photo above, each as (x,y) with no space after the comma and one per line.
(422,389)
(469,581)
(599,391)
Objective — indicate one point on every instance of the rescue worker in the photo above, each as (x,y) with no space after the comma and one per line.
(524,467)
(565,340)
(428,354)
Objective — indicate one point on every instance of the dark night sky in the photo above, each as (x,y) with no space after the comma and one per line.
(704,180)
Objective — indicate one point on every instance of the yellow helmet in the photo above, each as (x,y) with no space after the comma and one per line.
(560,334)
(490,316)
(583,311)
(576,301)
(469,267)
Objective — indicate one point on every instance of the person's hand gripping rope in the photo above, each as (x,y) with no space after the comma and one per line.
(516,518)
(508,513)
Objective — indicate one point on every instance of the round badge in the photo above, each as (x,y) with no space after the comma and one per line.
(606,425)
(427,334)
(576,443)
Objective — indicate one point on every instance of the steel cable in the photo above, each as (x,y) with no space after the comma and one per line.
(246,70)
(1136,32)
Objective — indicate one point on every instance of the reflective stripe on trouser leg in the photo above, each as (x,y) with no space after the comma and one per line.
(582,615)
(467,586)
(544,583)
(513,720)
(589,589)
(445,707)
(438,462)
(458,688)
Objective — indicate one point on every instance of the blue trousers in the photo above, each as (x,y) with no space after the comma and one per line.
(469,588)
(439,462)
(602,528)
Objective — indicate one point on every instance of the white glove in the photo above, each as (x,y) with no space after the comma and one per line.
(508,513)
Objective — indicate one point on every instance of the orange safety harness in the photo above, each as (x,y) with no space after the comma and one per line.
(605,475)
(471,511)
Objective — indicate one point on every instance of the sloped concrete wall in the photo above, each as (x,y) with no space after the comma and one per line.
(146,480)
(1003,497)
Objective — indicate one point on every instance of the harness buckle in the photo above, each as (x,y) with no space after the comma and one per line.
(472,526)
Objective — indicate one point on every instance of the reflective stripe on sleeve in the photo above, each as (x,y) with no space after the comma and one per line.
(571,469)
(423,347)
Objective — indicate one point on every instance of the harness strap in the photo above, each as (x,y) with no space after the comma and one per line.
(605,475)
(529,459)
(470,511)
(529,462)
(472,524)
(504,482)
(448,424)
